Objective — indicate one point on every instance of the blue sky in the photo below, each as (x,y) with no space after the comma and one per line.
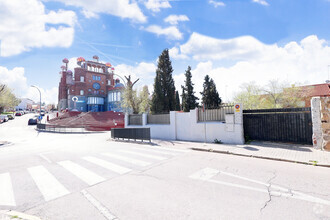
(234,41)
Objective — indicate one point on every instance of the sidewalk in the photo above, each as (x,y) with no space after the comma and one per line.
(295,153)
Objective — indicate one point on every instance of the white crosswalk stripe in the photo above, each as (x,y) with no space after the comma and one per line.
(157,151)
(127,159)
(48,185)
(6,190)
(81,172)
(143,155)
(105,164)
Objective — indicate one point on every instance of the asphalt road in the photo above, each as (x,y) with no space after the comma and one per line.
(88,176)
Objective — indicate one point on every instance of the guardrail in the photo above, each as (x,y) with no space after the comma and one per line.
(131,133)
(60,129)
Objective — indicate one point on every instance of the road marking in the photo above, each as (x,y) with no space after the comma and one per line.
(106,213)
(81,172)
(48,185)
(127,159)
(16,215)
(6,190)
(207,173)
(110,166)
(156,151)
(144,155)
(45,158)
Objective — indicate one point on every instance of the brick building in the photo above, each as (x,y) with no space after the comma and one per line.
(91,87)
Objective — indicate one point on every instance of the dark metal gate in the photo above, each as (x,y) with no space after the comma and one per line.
(282,125)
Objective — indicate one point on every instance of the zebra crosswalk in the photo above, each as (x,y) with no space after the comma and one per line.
(89,170)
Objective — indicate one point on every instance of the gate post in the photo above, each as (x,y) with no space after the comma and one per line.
(321,122)
(316,122)
(238,120)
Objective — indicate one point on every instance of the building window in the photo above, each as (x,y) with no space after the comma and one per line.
(98,78)
(109,82)
(68,91)
(93,69)
(81,92)
(119,98)
(89,90)
(82,79)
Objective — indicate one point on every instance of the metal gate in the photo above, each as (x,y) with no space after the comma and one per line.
(282,125)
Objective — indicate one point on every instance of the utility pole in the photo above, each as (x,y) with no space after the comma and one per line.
(40,99)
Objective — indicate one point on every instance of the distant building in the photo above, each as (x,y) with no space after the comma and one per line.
(309,91)
(25,104)
(91,87)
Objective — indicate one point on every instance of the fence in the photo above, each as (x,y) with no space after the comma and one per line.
(135,119)
(60,129)
(283,125)
(131,133)
(158,119)
(215,114)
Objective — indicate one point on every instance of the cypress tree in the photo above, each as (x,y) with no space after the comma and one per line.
(177,101)
(163,98)
(157,101)
(189,100)
(210,95)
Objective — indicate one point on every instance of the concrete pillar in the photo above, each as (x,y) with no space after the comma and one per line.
(238,112)
(126,120)
(144,119)
(316,121)
(173,125)
(238,118)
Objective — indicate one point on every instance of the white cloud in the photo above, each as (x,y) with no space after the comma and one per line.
(216,3)
(23,26)
(120,8)
(146,72)
(262,2)
(156,5)
(171,32)
(174,19)
(16,80)
(235,61)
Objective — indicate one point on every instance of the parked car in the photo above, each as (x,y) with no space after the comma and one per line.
(18,114)
(42,113)
(33,121)
(10,117)
(4,118)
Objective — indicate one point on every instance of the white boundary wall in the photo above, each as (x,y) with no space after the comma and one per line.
(185,126)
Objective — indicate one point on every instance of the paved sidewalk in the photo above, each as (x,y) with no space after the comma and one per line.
(295,153)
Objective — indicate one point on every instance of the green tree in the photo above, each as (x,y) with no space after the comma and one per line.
(8,100)
(274,94)
(210,95)
(130,99)
(144,101)
(189,100)
(163,98)
(177,101)
(249,95)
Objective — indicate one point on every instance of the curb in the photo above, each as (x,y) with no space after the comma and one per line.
(18,215)
(260,157)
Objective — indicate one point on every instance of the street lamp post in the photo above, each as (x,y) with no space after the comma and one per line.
(40,98)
